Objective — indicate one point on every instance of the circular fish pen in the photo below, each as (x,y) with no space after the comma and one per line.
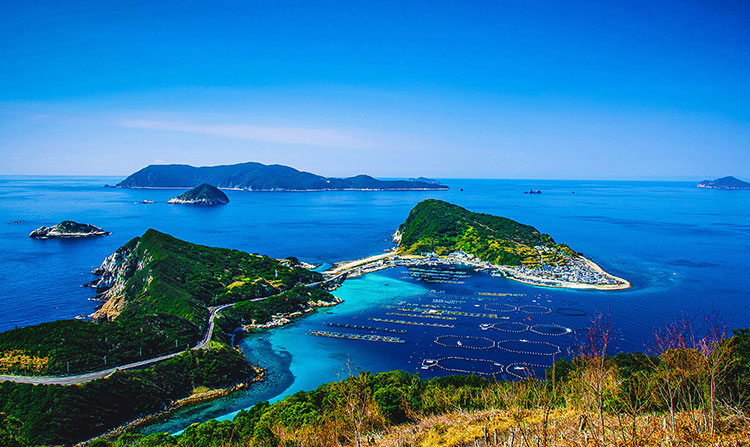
(465,365)
(534,309)
(552,330)
(524,370)
(505,326)
(528,347)
(465,342)
(571,312)
(501,307)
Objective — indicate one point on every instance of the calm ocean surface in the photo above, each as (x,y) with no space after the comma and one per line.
(686,250)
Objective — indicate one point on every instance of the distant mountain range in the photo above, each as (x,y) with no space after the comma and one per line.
(724,183)
(259,177)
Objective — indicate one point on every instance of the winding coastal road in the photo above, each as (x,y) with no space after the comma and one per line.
(87,377)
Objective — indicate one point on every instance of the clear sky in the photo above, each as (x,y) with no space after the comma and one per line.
(527,89)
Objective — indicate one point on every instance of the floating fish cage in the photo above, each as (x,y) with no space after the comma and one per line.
(524,370)
(571,312)
(513,327)
(528,347)
(465,365)
(465,342)
(534,309)
(553,330)
(501,307)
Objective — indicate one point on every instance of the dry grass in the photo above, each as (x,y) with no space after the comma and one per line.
(565,428)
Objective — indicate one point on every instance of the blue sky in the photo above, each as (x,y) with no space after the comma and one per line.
(595,90)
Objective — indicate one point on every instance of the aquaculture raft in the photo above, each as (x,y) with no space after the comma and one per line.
(367,337)
(367,328)
(413,323)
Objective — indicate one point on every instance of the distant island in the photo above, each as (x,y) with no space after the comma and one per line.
(259,177)
(724,183)
(171,312)
(431,181)
(68,229)
(205,195)
(440,232)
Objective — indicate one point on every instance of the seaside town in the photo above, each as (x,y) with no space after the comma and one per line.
(573,272)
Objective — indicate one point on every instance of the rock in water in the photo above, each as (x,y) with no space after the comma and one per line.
(204,194)
(68,229)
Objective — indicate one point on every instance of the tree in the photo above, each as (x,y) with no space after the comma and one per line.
(10,431)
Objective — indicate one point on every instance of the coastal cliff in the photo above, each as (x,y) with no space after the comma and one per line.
(68,229)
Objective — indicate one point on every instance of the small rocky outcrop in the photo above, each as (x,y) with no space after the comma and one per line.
(68,229)
(205,195)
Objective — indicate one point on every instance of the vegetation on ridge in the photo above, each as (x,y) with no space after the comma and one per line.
(170,285)
(693,391)
(441,227)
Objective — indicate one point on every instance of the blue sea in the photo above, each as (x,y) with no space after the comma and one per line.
(686,251)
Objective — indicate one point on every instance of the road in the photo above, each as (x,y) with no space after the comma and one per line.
(87,377)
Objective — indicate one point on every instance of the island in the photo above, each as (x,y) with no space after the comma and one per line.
(440,232)
(68,229)
(259,177)
(724,183)
(163,338)
(204,195)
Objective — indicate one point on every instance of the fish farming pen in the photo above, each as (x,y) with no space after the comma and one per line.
(523,370)
(465,365)
(530,347)
(570,312)
(367,328)
(500,294)
(444,301)
(366,337)
(553,330)
(513,327)
(501,307)
(436,317)
(457,313)
(534,309)
(438,306)
(465,342)
(412,323)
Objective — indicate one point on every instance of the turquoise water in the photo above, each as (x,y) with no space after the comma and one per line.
(686,251)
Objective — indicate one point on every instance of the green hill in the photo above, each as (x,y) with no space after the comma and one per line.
(203,194)
(157,290)
(259,177)
(441,227)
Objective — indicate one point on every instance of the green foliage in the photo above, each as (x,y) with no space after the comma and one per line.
(65,414)
(441,227)
(11,431)
(78,346)
(286,302)
(399,397)
(167,293)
